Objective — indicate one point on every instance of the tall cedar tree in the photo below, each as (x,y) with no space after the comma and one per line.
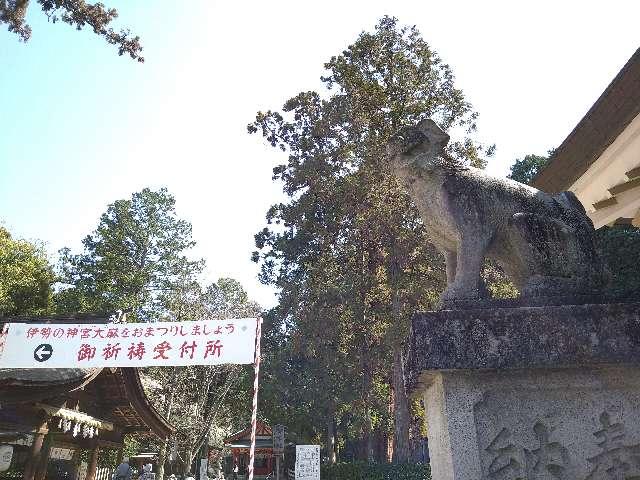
(348,249)
(78,14)
(135,259)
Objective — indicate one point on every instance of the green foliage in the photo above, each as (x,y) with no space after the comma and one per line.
(78,14)
(525,169)
(420,415)
(620,248)
(375,471)
(348,249)
(498,284)
(131,446)
(133,261)
(26,277)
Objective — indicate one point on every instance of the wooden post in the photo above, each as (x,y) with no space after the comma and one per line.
(35,452)
(120,455)
(235,459)
(93,463)
(43,461)
(75,463)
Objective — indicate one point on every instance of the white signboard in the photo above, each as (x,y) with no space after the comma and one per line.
(307,462)
(61,453)
(203,468)
(6,452)
(278,439)
(210,342)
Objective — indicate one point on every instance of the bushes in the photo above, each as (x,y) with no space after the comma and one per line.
(375,471)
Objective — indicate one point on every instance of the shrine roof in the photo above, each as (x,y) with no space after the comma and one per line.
(262,429)
(122,398)
(614,110)
(261,443)
(32,384)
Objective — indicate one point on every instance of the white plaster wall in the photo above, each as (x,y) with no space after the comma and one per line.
(609,170)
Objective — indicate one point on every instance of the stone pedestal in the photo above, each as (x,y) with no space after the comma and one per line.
(530,393)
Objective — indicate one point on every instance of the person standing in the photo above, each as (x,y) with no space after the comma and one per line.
(146,473)
(123,471)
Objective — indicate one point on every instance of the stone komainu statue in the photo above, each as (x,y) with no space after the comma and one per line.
(543,242)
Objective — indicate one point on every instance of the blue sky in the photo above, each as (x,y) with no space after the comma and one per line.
(81,127)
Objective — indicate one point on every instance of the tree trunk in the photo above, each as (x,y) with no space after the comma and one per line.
(212,413)
(168,405)
(188,459)
(368,425)
(331,440)
(402,418)
(162,459)
(389,435)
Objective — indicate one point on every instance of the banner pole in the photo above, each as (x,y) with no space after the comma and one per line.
(254,413)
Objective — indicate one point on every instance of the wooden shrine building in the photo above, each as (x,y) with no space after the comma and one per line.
(240,443)
(48,417)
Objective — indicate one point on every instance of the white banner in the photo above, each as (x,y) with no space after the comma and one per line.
(210,342)
(307,462)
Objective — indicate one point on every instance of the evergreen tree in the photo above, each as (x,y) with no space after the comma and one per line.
(346,215)
(76,13)
(26,278)
(135,258)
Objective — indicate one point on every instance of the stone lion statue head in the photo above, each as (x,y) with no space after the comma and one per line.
(425,140)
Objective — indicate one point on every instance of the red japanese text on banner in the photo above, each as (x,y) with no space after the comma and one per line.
(208,342)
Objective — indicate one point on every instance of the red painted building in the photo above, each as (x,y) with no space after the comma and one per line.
(240,443)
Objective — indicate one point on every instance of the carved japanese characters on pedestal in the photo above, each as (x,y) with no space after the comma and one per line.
(543,242)
(548,459)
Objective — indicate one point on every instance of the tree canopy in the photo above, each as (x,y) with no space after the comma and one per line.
(525,169)
(348,248)
(26,277)
(76,13)
(134,259)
